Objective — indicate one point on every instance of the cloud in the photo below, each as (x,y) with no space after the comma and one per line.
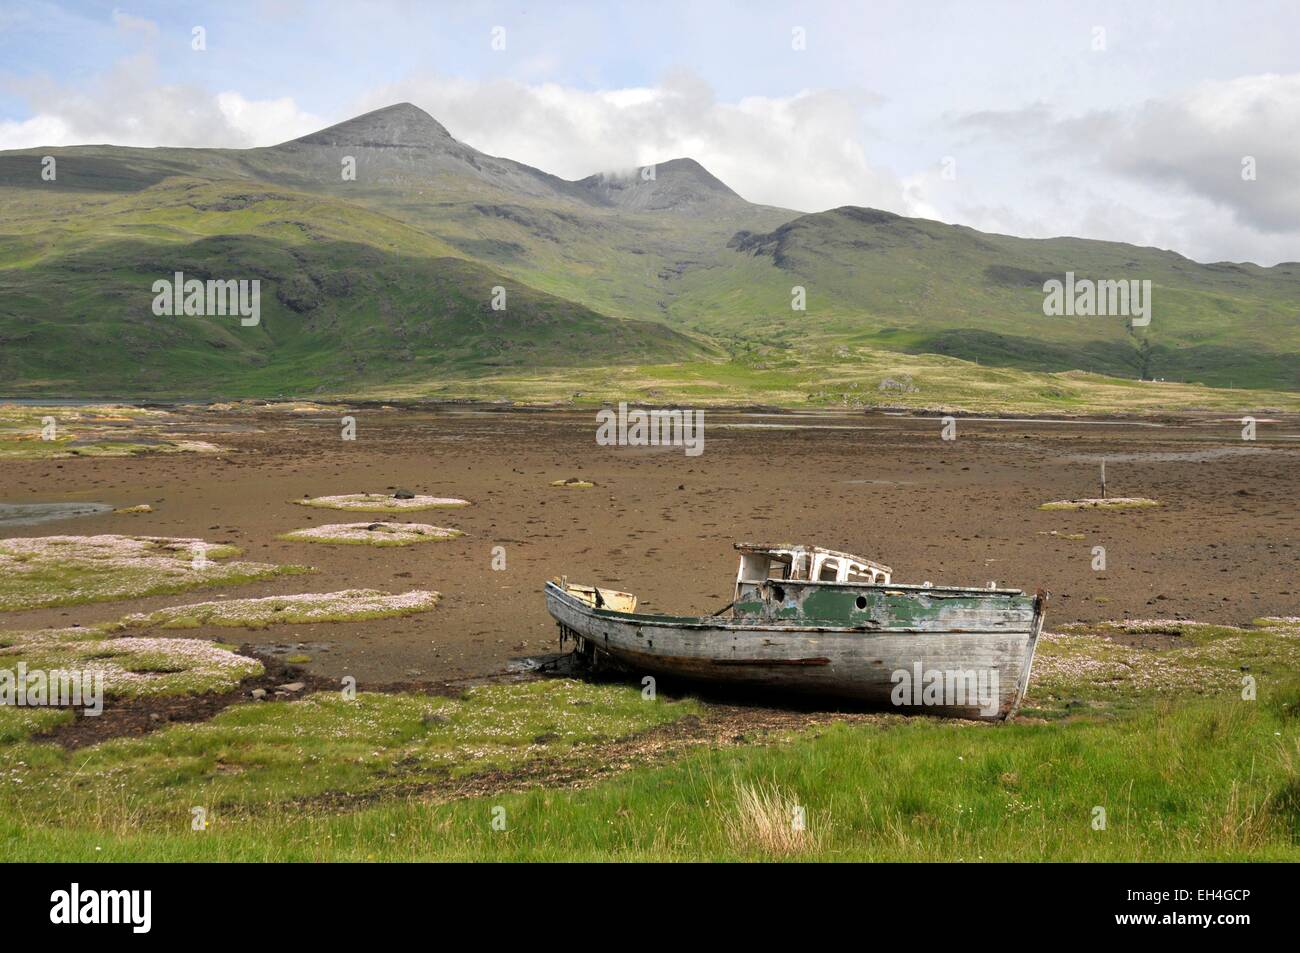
(1201,140)
(129,106)
(1166,172)
(803,151)
(137,25)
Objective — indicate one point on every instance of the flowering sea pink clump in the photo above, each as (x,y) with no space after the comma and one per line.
(373,534)
(382,503)
(348,605)
(134,666)
(65,570)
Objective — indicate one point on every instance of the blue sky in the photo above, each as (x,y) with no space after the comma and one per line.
(1138,140)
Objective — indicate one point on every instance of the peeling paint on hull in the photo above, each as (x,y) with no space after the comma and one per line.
(939,630)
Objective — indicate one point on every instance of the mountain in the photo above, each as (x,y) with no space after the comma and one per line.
(385,278)
(679,185)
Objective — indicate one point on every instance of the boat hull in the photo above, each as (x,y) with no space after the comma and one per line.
(976,668)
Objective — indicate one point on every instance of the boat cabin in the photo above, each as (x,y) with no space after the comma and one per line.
(758,564)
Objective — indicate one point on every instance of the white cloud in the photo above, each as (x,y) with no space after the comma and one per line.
(803,151)
(1199,141)
(138,25)
(1166,172)
(128,106)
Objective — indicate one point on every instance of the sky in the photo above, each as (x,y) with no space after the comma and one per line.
(1170,123)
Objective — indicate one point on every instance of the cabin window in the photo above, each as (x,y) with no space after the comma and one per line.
(778,570)
(829,570)
(753,567)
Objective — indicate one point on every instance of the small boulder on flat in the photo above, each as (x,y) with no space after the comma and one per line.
(401,494)
(293,687)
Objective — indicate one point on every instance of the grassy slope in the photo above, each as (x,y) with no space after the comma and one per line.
(350,299)
(918,286)
(885,294)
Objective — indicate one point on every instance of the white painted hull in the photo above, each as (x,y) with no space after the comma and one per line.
(856,664)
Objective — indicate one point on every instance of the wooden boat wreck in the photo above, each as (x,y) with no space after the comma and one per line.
(815,621)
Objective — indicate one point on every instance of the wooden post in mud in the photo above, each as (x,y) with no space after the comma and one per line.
(1103,479)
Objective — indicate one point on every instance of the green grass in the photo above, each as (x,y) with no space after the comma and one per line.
(1183,766)
(1206,781)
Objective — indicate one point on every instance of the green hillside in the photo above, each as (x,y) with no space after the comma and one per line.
(349,299)
(923,287)
(384,281)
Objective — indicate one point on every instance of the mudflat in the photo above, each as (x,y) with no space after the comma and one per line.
(1222,546)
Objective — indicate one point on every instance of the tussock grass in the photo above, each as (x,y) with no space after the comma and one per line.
(769,820)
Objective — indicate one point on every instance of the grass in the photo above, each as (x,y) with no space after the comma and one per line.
(1184,768)
(817,377)
(1196,781)
(255,761)
(1097,667)
(70,570)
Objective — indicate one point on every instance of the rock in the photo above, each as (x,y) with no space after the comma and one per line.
(401,494)
(259,693)
(293,687)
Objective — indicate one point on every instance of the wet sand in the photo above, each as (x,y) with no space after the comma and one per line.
(1223,547)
